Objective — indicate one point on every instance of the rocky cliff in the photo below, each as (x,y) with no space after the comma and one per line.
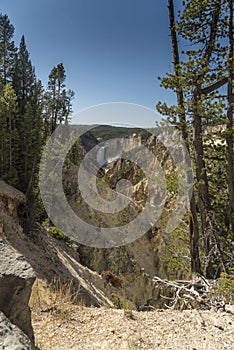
(120,276)
(139,261)
(50,259)
(28,251)
(16,280)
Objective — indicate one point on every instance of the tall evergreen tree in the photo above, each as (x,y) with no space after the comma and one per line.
(9,137)
(59,99)
(32,139)
(203,25)
(229,122)
(7,49)
(23,76)
(28,92)
(182,124)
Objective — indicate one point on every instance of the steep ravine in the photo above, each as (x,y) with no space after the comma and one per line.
(140,261)
(29,250)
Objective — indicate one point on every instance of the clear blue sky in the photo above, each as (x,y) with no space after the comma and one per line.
(112,50)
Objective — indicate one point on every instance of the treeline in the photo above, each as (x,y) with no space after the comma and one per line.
(29,113)
(202,79)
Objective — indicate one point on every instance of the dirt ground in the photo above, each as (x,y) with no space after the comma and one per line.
(77,327)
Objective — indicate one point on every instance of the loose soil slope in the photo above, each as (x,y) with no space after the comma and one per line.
(90,328)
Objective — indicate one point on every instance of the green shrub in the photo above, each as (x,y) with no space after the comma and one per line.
(176,255)
(118,303)
(224,290)
(56,233)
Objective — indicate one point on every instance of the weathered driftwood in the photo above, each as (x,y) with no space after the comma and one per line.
(181,295)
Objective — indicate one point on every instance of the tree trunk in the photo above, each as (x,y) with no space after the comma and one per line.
(203,187)
(192,215)
(229,124)
(203,191)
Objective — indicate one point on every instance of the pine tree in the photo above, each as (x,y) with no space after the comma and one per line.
(23,76)
(34,116)
(182,124)
(30,124)
(58,98)
(229,122)
(8,135)
(203,27)
(7,49)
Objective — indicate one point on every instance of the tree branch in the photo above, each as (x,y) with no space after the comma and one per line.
(213,87)
(213,31)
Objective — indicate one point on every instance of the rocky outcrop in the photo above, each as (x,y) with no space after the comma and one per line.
(13,204)
(16,280)
(12,337)
(52,260)
(16,275)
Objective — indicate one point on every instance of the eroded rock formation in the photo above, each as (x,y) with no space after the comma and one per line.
(12,337)
(52,260)
(138,262)
(16,280)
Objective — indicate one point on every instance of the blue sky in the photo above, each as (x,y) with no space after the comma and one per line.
(112,50)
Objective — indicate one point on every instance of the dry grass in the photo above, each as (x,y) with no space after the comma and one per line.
(54,298)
